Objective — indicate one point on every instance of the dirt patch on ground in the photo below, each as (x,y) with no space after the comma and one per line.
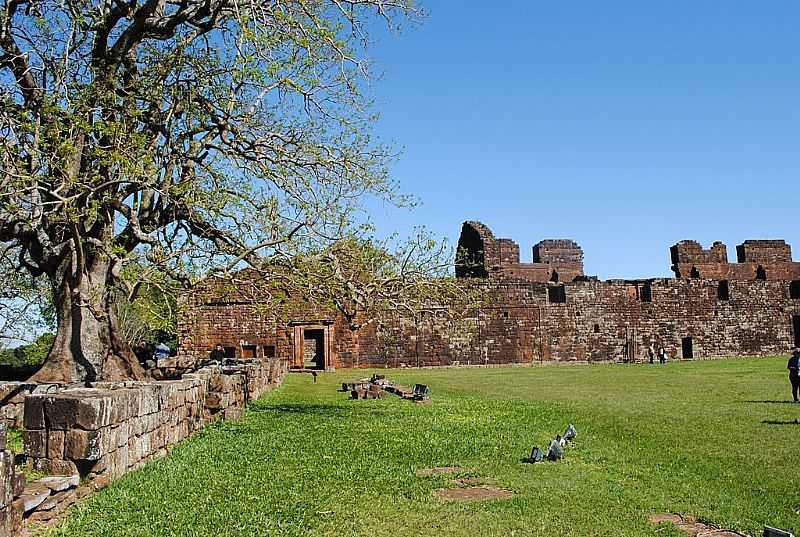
(474,481)
(690,526)
(474,494)
(437,470)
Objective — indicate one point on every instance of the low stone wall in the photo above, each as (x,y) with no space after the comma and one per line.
(109,429)
(12,400)
(42,500)
(102,431)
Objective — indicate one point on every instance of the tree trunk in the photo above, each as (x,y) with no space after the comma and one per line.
(87,346)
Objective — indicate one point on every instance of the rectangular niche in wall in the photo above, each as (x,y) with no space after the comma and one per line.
(724,290)
(556,294)
(248,352)
(794,289)
(646,293)
(687,346)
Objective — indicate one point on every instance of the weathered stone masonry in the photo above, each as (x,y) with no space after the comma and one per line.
(102,431)
(548,310)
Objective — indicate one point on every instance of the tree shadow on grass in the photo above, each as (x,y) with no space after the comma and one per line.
(317,409)
(772,401)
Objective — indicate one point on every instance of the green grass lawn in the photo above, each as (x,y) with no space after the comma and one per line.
(714,439)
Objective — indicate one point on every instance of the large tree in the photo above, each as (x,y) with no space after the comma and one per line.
(183,135)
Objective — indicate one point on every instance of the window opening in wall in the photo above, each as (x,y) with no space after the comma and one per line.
(724,290)
(646,293)
(794,289)
(230,352)
(596,328)
(556,294)
(505,315)
(269,351)
(761,274)
(248,352)
(694,273)
(687,346)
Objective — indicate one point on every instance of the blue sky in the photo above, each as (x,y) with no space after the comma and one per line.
(624,125)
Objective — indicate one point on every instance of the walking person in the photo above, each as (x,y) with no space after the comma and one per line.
(662,355)
(651,353)
(794,373)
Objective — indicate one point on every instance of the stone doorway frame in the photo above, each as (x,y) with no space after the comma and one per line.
(299,328)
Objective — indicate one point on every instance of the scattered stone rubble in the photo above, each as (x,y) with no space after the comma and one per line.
(41,500)
(378,386)
(694,528)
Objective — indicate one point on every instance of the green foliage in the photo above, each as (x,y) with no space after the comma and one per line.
(711,439)
(188,138)
(145,305)
(28,355)
(14,440)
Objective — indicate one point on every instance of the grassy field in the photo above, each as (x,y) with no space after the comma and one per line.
(713,439)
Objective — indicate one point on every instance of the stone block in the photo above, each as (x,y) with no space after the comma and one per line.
(233,413)
(218,383)
(55,467)
(85,409)
(100,482)
(214,401)
(6,477)
(55,444)
(57,483)
(34,412)
(18,483)
(35,442)
(135,426)
(118,464)
(121,435)
(134,402)
(83,491)
(120,406)
(11,518)
(33,496)
(86,445)
(149,399)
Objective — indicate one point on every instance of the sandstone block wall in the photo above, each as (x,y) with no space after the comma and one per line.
(111,428)
(724,309)
(12,400)
(483,255)
(764,252)
(757,260)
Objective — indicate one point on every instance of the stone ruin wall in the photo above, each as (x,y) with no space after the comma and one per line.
(523,320)
(599,321)
(484,255)
(232,316)
(91,435)
(759,259)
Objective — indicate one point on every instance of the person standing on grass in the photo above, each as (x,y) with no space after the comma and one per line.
(794,373)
